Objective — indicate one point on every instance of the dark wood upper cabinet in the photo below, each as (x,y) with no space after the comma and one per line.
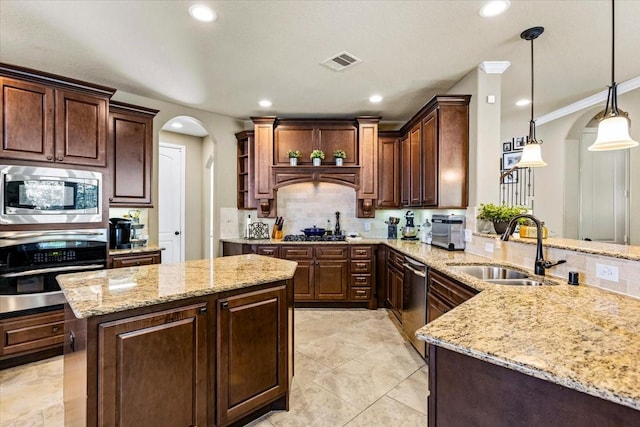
(308,135)
(430,159)
(435,163)
(388,170)
(48,118)
(27,120)
(405,170)
(246,170)
(131,144)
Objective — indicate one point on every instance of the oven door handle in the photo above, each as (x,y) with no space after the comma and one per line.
(53,270)
(413,270)
(9,236)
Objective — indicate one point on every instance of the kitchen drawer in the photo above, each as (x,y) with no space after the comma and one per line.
(135,260)
(296,252)
(448,289)
(331,252)
(360,266)
(360,293)
(271,251)
(32,332)
(361,252)
(361,280)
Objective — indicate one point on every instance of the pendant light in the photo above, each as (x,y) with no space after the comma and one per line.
(531,155)
(613,130)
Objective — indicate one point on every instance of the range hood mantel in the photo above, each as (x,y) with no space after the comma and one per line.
(343,175)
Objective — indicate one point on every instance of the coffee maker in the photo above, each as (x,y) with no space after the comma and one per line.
(119,233)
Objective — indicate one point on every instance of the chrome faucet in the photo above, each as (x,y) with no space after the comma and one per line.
(540,265)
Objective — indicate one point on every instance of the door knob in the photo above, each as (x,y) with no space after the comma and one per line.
(176,233)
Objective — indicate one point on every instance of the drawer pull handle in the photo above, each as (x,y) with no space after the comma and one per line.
(361,279)
(360,292)
(361,252)
(72,341)
(360,265)
(55,329)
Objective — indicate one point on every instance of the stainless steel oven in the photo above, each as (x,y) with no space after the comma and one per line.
(43,195)
(30,261)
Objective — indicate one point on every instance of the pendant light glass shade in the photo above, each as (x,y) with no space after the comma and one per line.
(531,157)
(531,153)
(613,129)
(613,134)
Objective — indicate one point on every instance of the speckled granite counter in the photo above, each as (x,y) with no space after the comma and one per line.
(137,250)
(109,291)
(596,248)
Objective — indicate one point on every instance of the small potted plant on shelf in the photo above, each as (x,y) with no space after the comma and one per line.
(294,155)
(317,156)
(500,215)
(339,155)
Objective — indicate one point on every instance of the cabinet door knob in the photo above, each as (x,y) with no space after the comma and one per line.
(72,341)
(60,159)
(224,304)
(111,199)
(49,157)
(177,233)
(202,310)
(54,329)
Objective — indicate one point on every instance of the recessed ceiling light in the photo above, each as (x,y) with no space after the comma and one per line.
(265,103)
(493,8)
(375,98)
(176,125)
(523,102)
(202,13)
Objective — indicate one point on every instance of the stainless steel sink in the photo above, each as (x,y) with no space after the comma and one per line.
(489,272)
(516,282)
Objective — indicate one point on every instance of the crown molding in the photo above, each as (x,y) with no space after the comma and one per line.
(590,101)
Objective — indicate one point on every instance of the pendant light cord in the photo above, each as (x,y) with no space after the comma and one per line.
(613,90)
(532,124)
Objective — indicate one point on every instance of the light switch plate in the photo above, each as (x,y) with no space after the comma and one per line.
(367,226)
(488,247)
(467,235)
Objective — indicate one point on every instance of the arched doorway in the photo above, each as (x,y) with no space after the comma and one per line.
(182,198)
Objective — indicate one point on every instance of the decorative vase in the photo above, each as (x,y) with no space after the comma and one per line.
(317,161)
(293,161)
(339,161)
(500,226)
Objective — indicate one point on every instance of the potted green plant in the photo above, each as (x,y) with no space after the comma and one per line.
(317,156)
(500,215)
(339,156)
(294,155)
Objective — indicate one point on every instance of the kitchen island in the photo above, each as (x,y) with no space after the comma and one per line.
(205,342)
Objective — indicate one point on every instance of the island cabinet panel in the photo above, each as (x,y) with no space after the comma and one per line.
(26,130)
(152,369)
(252,352)
(465,391)
(131,145)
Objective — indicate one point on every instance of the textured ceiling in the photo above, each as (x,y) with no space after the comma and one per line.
(272,49)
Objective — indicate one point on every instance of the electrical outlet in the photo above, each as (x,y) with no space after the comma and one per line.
(467,235)
(367,226)
(607,272)
(488,247)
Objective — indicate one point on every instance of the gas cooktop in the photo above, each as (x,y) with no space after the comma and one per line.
(303,238)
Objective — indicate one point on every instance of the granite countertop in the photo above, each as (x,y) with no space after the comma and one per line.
(137,250)
(109,291)
(581,337)
(596,248)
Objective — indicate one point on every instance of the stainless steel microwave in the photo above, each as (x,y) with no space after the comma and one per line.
(42,195)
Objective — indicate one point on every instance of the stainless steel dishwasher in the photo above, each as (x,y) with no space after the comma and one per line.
(414,302)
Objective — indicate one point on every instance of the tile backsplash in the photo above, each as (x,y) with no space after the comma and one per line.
(308,204)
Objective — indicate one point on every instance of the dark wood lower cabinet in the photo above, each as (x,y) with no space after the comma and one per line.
(252,352)
(203,361)
(31,337)
(465,391)
(152,369)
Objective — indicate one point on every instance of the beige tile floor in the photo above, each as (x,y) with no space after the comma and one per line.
(353,368)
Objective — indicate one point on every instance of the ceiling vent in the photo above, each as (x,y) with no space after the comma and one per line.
(341,61)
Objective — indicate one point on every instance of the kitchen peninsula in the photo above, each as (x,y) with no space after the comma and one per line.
(204,342)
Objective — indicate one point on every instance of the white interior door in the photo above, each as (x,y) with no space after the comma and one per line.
(171,176)
(604,189)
